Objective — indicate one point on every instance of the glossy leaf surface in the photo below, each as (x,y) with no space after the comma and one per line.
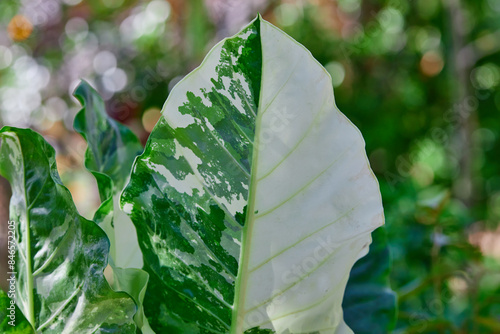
(61,256)
(112,148)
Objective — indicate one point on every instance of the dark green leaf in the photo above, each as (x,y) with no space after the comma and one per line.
(369,303)
(12,321)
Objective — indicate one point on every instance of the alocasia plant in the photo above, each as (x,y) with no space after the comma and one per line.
(252,200)
(111,150)
(253,197)
(60,286)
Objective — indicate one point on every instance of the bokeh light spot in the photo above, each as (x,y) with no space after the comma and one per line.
(495,5)
(486,76)
(72,2)
(55,108)
(77,29)
(391,20)
(104,61)
(5,57)
(114,80)
(431,63)
(422,174)
(19,28)
(287,14)
(349,6)
(427,39)
(337,72)
(150,117)
(158,10)
(485,137)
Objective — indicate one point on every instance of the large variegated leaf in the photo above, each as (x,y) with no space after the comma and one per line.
(61,256)
(112,148)
(253,197)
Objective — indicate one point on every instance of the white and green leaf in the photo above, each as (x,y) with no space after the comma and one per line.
(61,256)
(112,148)
(253,197)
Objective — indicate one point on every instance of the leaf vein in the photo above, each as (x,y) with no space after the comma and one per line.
(60,309)
(294,283)
(305,186)
(305,237)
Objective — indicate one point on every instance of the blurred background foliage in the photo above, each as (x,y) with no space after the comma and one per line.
(420,78)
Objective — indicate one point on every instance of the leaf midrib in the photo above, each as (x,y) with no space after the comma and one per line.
(29,270)
(238,314)
(242,277)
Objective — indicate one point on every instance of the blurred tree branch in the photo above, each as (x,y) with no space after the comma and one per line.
(464,187)
(484,46)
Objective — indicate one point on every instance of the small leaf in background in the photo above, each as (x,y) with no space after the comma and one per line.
(61,256)
(112,148)
(369,303)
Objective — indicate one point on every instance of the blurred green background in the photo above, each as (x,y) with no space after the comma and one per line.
(420,78)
